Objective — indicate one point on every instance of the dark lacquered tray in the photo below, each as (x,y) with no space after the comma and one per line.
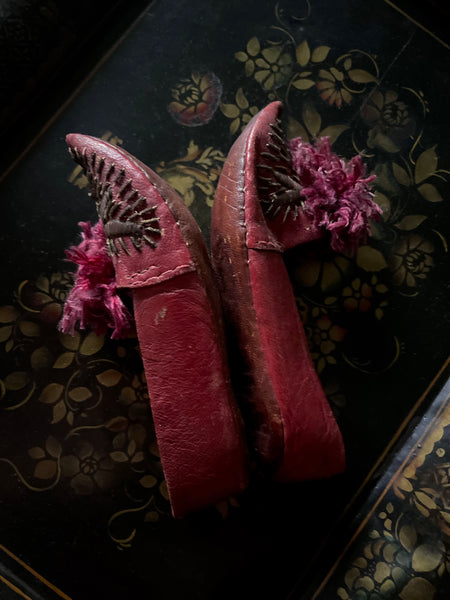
(83,499)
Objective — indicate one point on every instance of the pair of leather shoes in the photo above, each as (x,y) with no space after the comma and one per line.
(182,308)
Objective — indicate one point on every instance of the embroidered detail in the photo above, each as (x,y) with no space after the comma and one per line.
(123,212)
(278,184)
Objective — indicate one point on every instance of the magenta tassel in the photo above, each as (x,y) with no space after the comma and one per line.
(337,194)
(94,299)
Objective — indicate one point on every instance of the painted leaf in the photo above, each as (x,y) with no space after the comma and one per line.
(405,485)
(361,76)
(64,360)
(253,46)
(138,457)
(370,259)
(163,490)
(303,53)
(426,165)
(311,118)
(430,193)
(29,328)
(40,358)
(118,456)
(138,433)
(408,537)
(234,126)
(241,56)
(45,469)
(426,500)
(53,447)
(241,100)
(5,332)
(400,174)
(148,481)
(303,84)
(16,381)
(92,344)
(131,447)
(296,129)
(426,558)
(36,453)
(418,589)
(230,110)
(70,342)
(117,424)
(320,53)
(410,222)
(333,132)
(59,412)
(51,393)
(80,394)
(109,378)
(8,314)
(249,68)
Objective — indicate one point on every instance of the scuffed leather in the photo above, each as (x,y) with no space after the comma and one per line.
(181,337)
(291,422)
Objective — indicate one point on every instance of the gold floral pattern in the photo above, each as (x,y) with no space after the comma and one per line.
(401,552)
(241,112)
(194,176)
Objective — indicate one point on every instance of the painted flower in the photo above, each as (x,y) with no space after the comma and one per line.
(253,48)
(273,67)
(195,99)
(194,175)
(357,296)
(323,338)
(332,87)
(389,119)
(88,469)
(240,113)
(411,260)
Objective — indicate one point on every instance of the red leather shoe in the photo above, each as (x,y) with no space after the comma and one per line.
(159,255)
(256,216)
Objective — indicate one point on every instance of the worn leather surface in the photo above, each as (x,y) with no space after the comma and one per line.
(180,332)
(294,429)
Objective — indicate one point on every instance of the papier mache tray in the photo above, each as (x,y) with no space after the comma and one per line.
(84,509)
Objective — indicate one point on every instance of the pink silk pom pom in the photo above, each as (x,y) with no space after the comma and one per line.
(337,194)
(94,299)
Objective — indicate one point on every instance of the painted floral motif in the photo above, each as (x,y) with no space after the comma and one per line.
(195,99)
(270,66)
(88,469)
(402,553)
(241,112)
(195,175)
(94,396)
(411,260)
(389,119)
(332,88)
(324,336)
